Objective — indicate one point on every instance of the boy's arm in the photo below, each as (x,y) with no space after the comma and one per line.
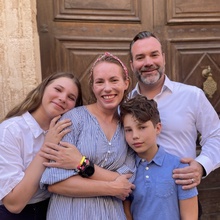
(189,208)
(127,209)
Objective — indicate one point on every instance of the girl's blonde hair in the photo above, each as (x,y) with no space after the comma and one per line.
(34,98)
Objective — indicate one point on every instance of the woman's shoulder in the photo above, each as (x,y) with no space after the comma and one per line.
(78,114)
(75,111)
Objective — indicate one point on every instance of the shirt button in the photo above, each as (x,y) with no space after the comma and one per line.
(147,177)
(110,143)
(109,151)
(143,160)
(147,168)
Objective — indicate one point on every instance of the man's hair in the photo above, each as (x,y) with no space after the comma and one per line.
(141,109)
(142,35)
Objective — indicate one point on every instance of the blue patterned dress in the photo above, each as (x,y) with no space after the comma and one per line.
(114,155)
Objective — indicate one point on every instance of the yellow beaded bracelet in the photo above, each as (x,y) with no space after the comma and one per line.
(82,160)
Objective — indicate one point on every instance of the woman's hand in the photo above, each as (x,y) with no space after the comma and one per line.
(122,187)
(64,155)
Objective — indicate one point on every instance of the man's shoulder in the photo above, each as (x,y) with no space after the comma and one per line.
(185,86)
(184,89)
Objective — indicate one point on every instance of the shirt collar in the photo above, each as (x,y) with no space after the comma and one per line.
(167,85)
(35,128)
(158,158)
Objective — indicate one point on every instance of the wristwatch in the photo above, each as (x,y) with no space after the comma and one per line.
(87,168)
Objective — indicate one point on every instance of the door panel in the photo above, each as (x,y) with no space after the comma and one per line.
(74,32)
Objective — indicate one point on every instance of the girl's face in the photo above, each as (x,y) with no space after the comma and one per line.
(59,97)
(109,84)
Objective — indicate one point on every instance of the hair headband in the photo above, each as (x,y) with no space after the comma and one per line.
(105,55)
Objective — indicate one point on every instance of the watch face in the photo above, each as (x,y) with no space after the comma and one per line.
(89,170)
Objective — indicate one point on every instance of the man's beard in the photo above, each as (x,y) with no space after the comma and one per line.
(150,79)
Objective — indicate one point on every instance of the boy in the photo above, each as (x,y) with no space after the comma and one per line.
(156,195)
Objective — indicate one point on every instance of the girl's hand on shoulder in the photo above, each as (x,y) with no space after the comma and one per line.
(57,130)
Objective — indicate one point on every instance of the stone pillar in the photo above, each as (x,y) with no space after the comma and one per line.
(20,69)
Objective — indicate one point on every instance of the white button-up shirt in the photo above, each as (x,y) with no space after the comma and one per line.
(20,139)
(184,110)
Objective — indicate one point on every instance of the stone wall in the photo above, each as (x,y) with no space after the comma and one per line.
(19,52)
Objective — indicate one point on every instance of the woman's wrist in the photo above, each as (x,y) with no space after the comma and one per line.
(85,168)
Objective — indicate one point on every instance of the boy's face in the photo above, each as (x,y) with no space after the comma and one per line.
(141,137)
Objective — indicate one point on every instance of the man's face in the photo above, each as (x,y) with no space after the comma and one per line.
(148,60)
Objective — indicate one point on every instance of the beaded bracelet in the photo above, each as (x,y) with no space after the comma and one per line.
(83,163)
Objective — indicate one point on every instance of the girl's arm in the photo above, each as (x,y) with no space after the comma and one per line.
(189,209)
(18,198)
(20,195)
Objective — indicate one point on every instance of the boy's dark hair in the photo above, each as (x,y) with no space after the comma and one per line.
(141,109)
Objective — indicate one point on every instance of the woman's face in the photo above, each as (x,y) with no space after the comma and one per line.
(59,97)
(109,84)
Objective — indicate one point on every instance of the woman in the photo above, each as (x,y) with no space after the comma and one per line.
(98,134)
(25,129)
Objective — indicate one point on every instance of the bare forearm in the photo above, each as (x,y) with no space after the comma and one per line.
(77,186)
(189,209)
(28,186)
(127,209)
(103,174)
(80,187)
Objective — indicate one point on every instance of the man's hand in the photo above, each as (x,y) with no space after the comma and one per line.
(190,176)
(66,156)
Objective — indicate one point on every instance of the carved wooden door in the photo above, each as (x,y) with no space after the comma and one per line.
(74,32)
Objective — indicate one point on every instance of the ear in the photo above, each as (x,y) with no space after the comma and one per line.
(164,60)
(131,65)
(158,128)
(127,83)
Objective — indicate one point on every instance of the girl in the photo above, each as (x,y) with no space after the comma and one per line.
(25,129)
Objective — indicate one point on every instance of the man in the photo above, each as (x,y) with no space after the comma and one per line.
(184,112)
